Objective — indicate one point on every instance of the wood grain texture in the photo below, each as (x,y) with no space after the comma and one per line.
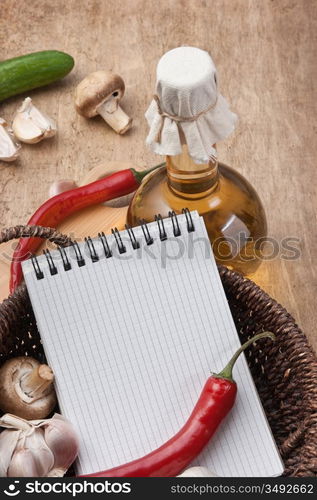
(265,51)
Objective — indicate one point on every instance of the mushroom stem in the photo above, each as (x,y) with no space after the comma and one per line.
(35,382)
(118,119)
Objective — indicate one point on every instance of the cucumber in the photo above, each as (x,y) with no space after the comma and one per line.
(28,72)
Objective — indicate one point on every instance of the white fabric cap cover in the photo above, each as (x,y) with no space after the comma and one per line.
(187,100)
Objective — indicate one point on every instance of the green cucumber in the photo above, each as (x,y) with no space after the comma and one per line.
(28,72)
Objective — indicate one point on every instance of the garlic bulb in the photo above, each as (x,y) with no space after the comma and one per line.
(198,472)
(30,125)
(36,448)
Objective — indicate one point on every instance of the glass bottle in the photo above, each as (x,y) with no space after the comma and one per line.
(186,117)
(232,211)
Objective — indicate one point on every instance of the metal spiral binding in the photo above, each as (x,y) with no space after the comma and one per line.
(189,220)
(148,238)
(160,223)
(118,240)
(51,265)
(91,248)
(105,244)
(134,241)
(176,228)
(38,273)
(65,259)
(116,234)
(80,260)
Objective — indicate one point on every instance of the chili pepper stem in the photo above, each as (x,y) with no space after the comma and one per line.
(140,175)
(227,371)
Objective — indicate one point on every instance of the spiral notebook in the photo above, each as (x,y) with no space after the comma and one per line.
(132,323)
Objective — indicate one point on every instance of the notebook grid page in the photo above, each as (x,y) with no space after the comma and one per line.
(132,340)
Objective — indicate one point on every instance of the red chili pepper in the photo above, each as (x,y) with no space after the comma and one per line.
(214,403)
(56,209)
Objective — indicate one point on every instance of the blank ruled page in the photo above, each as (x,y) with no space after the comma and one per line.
(132,339)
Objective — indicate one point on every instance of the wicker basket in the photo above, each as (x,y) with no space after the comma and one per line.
(285,372)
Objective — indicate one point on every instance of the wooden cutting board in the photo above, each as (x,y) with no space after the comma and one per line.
(89,221)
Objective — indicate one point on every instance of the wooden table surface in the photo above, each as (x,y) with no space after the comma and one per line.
(264,52)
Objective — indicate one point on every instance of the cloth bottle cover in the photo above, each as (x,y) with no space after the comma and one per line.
(187,106)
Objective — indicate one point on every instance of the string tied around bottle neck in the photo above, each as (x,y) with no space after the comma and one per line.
(176,118)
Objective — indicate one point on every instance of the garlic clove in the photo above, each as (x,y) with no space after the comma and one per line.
(8,443)
(9,147)
(30,125)
(61,186)
(26,131)
(22,464)
(31,457)
(43,457)
(64,450)
(198,472)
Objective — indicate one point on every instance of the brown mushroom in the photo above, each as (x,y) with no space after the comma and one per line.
(26,388)
(100,93)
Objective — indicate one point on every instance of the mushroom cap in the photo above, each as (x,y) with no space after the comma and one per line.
(10,401)
(93,90)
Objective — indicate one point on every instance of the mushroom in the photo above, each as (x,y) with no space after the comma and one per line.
(26,388)
(30,125)
(9,148)
(100,93)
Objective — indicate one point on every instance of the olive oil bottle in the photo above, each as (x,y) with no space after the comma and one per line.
(185,118)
